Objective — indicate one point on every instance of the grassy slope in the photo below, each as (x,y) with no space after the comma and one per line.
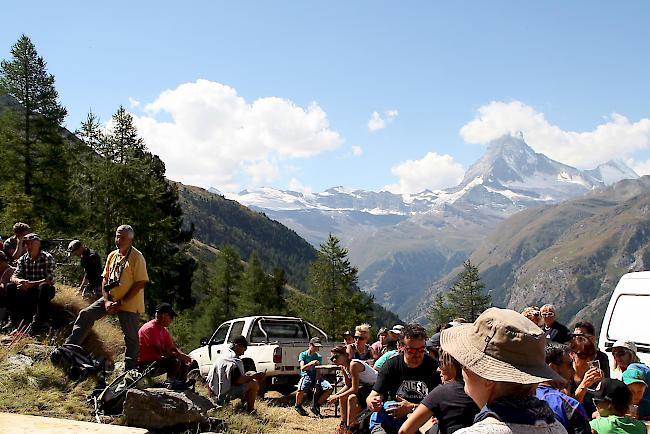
(43,390)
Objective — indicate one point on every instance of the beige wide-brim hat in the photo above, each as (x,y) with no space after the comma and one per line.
(501,345)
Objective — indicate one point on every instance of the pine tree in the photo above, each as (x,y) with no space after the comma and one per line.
(26,79)
(466,298)
(253,289)
(229,269)
(440,312)
(338,304)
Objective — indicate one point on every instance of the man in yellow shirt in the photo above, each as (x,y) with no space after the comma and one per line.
(125,275)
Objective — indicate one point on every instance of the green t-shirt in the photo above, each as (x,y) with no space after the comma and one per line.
(618,425)
(384,357)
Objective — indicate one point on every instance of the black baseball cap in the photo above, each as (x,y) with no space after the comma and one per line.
(611,390)
(165,308)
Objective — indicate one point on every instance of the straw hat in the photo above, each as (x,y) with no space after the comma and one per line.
(501,345)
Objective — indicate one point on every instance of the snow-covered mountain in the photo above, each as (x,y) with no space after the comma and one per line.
(510,176)
(401,243)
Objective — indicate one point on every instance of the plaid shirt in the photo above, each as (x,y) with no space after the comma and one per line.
(42,268)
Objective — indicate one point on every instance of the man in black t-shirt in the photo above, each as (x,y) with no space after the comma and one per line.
(403,382)
(91,285)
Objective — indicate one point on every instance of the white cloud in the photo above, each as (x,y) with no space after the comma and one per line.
(215,135)
(357,151)
(377,122)
(134,103)
(618,137)
(295,185)
(432,172)
(640,167)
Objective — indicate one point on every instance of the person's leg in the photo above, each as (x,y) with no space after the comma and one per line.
(353,409)
(251,394)
(130,323)
(13,314)
(303,384)
(327,389)
(84,322)
(45,295)
(343,407)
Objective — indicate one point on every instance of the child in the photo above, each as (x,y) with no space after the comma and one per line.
(308,361)
(635,380)
(612,399)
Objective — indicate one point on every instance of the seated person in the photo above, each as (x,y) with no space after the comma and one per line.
(156,345)
(228,380)
(91,284)
(612,399)
(359,378)
(14,246)
(635,380)
(378,348)
(448,403)
(568,411)
(308,377)
(390,350)
(360,349)
(6,271)
(34,279)
(403,382)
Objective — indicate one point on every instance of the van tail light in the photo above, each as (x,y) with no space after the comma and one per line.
(277,355)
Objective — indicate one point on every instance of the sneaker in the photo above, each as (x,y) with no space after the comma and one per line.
(301,411)
(316,410)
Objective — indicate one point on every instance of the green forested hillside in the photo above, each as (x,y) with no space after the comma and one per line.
(219,222)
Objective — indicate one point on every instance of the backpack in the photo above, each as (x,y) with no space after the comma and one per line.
(76,362)
(109,400)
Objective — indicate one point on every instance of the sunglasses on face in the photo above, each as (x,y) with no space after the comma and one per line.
(548,314)
(413,351)
(334,358)
(619,353)
(585,356)
(535,313)
(358,338)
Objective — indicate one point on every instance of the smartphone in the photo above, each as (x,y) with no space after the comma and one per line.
(594,364)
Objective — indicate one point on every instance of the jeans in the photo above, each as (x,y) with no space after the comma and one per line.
(129,322)
(33,304)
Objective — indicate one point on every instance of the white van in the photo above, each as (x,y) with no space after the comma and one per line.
(628,315)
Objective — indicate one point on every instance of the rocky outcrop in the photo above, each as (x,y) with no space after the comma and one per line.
(161,408)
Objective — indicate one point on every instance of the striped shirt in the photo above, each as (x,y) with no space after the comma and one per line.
(41,268)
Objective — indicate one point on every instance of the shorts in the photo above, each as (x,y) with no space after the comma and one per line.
(237,391)
(382,420)
(307,382)
(362,394)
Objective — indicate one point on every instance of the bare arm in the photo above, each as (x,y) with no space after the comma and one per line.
(417,419)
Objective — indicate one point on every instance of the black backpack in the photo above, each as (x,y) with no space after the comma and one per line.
(77,362)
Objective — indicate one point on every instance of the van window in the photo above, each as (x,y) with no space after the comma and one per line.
(219,337)
(236,330)
(279,331)
(628,311)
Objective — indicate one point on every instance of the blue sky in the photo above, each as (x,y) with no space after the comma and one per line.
(281,93)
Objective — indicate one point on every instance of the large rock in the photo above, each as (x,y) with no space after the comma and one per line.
(162,408)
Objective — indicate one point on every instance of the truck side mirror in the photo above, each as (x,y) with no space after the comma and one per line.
(203,341)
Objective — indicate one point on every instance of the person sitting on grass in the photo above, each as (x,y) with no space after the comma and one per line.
(359,378)
(309,376)
(228,380)
(157,346)
(612,399)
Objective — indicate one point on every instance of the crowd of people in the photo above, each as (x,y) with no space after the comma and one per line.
(507,372)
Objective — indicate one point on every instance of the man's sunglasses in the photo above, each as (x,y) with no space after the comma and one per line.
(548,314)
(413,351)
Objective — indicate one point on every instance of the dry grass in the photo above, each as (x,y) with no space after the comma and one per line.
(44,390)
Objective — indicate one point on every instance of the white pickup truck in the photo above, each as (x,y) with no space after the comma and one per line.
(274,345)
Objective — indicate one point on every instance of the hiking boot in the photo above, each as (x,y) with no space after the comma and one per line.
(315,408)
(301,411)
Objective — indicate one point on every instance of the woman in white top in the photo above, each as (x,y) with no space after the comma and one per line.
(359,378)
